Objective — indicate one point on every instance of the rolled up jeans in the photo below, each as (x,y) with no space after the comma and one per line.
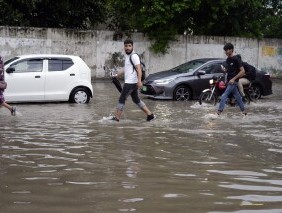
(241,83)
(231,88)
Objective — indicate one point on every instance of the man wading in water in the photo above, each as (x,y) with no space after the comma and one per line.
(234,70)
(132,83)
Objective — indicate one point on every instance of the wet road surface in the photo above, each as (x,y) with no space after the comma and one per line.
(61,157)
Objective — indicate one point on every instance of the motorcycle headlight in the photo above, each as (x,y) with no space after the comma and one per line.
(163,81)
(211,81)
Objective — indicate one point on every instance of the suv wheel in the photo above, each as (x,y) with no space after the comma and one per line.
(80,96)
(181,93)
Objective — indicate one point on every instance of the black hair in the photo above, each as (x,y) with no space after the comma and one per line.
(228,46)
(128,41)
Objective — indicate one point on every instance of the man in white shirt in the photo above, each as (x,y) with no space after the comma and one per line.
(132,83)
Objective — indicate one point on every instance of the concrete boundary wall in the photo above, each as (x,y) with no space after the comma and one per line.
(98,48)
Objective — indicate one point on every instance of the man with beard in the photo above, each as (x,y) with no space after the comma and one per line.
(132,83)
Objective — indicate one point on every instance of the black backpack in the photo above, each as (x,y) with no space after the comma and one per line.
(250,71)
(143,67)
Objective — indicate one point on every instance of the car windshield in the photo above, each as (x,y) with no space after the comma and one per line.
(189,66)
(10,60)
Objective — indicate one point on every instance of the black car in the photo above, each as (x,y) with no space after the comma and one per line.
(262,85)
(188,80)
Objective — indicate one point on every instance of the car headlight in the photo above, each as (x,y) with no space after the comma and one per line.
(164,81)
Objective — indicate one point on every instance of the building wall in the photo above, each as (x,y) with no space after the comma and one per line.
(98,48)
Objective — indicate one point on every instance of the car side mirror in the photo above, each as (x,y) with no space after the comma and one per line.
(10,70)
(200,72)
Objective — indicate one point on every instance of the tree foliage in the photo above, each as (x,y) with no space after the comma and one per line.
(53,13)
(161,20)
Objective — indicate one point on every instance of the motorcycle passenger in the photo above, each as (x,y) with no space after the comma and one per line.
(234,70)
(242,81)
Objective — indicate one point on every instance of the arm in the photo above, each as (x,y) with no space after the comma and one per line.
(139,74)
(239,75)
(136,60)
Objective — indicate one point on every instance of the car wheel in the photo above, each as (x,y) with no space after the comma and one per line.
(255,92)
(181,93)
(80,96)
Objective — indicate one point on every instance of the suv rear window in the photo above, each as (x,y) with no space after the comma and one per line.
(59,64)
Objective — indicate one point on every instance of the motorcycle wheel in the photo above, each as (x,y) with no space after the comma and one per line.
(207,98)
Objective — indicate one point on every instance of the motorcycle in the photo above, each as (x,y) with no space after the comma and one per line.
(217,88)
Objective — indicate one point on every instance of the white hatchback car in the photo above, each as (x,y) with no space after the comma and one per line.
(47,78)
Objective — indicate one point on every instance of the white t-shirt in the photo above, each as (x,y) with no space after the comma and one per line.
(130,74)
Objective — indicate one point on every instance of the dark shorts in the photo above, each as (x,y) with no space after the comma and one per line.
(129,89)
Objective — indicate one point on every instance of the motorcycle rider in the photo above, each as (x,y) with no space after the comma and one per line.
(234,70)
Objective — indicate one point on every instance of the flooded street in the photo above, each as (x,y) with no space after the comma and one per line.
(62,157)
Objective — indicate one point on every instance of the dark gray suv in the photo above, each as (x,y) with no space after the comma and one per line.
(188,80)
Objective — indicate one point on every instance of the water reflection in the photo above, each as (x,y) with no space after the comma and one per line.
(63,158)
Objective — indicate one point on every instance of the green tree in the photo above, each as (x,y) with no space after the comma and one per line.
(162,20)
(228,18)
(272,23)
(82,14)
(156,18)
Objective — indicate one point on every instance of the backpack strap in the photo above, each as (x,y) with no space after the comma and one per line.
(142,65)
(132,61)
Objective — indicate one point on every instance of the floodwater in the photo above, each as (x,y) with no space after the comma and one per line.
(62,157)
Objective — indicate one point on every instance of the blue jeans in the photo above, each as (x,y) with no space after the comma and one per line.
(231,88)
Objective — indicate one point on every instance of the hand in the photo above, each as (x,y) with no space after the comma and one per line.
(231,81)
(223,68)
(114,74)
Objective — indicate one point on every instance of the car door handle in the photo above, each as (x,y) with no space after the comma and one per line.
(37,76)
(72,74)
